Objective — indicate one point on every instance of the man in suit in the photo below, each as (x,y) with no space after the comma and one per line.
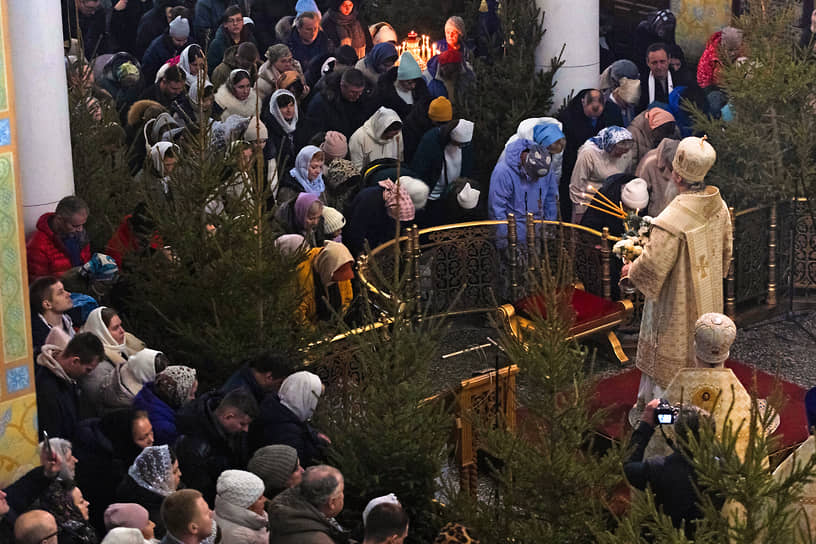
(660,80)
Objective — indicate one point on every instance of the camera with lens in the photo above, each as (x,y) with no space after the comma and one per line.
(665,413)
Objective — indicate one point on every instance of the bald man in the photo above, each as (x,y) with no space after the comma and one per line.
(35,527)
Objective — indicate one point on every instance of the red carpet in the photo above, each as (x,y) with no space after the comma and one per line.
(618,393)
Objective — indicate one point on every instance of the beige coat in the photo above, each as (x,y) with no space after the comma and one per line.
(267,82)
(239,525)
(592,167)
(680,273)
(366,144)
(655,169)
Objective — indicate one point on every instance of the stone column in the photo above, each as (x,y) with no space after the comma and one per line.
(43,140)
(574,23)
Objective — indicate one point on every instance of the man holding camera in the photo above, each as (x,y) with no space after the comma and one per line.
(671,478)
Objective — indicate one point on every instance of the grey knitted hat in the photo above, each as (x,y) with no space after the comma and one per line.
(274,464)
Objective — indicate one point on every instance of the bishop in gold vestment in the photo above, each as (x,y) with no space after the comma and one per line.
(681,269)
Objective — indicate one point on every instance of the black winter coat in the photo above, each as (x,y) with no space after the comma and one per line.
(328,110)
(281,426)
(57,404)
(203,449)
(129,491)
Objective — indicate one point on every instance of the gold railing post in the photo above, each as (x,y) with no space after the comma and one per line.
(531,243)
(408,252)
(772,233)
(606,281)
(730,282)
(512,243)
(415,255)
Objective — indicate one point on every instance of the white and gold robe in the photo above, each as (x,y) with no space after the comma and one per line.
(681,274)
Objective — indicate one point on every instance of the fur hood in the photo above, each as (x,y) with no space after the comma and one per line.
(137,110)
(233,106)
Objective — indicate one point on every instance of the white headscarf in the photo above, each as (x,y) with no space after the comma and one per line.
(153,470)
(193,92)
(290,244)
(96,325)
(184,64)
(300,393)
(287,126)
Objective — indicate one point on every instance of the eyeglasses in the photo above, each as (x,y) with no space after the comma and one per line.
(52,535)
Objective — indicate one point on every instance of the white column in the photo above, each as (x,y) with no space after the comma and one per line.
(41,105)
(574,23)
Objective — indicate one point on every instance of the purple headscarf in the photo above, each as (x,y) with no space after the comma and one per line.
(303,202)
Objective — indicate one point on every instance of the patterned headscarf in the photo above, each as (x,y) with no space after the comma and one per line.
(153,470)
(392,196)
(174,383)
(301,171)
(610,136)
(537,163)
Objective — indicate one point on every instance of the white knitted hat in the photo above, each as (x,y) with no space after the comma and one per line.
(417,189)
(239,487)
(333,220)
(635,194)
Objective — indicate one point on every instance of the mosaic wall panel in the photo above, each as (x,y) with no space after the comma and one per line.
(697,20)
(18,403)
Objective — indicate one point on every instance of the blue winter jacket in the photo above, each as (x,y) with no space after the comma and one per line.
(161,415)
(512,191)
(208,16)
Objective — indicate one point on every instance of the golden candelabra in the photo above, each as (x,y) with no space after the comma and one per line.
(420,48)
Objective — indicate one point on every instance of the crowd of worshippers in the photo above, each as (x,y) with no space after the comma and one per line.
(354,137)
(133,454)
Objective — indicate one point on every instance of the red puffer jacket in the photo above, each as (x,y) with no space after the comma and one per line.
(46,254)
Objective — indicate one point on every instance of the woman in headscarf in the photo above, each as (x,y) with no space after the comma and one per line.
(235,97)
(728,40)
(109,445)
(620,85)
(70,509)
(303,215)
(154,178)
(285,417)
(444,154)
(153,476)
(192,61)
(119,345)
(601,156)
(279,60)
(281,118)
(127,379)
(381,59)
(202,105)
(173,388)
(374,210)
(380,137)
(582,120)
(343,27)
(306,176)
(649,128)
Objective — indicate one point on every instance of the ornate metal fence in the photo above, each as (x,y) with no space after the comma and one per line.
(473,267)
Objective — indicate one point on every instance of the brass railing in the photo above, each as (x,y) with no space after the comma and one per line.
(467,268)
